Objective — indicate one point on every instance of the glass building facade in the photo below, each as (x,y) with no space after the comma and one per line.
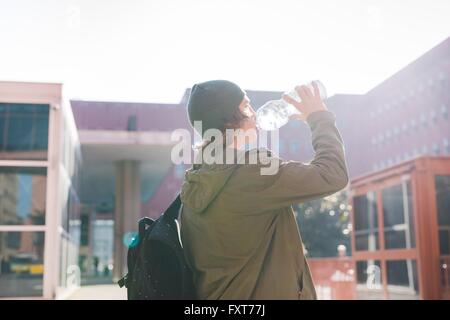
(398,230)
(39,207)
(401,221)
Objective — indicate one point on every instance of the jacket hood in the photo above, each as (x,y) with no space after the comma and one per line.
(202,185)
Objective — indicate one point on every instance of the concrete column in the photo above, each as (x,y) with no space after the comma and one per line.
(127,210)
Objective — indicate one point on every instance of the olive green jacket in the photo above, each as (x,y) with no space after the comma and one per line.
(238,228)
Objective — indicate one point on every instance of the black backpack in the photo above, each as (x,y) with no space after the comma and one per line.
(157,268)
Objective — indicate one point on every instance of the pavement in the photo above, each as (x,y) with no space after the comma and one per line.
(99,292)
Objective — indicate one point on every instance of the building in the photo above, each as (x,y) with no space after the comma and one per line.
(409,112)
(401,238)
(125,146)
(49,225)
(39,218)
(127,171)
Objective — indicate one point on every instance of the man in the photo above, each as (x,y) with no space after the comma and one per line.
(238,228)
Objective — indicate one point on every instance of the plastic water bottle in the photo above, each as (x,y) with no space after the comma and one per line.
(275,113)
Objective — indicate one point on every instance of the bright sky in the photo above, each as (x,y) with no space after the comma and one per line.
(151,50)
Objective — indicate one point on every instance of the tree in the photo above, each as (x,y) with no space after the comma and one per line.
(325,225)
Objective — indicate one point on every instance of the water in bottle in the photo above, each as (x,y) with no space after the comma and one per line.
(275,113)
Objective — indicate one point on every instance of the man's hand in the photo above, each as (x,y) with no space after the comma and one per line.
(310,102)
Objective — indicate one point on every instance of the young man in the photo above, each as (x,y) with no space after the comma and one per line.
(238,228)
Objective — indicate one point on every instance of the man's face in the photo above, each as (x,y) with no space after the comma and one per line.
(247,110)
(249,123)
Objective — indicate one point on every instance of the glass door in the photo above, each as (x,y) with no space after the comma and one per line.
(442,184)
(23,192)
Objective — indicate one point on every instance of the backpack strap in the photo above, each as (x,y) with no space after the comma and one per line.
(143,224)
(172,211)
(123,282)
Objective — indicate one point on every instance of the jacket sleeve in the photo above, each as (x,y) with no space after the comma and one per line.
(294,181)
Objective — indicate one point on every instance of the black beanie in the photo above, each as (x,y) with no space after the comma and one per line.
(214,103)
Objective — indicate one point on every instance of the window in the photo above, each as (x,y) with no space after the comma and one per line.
(442,184)
(446,146)
(23,131)
(424,150)
(413,124)
(436,148)
(70,211)
(132,123)
(374,140)
(22,195)
(405,127)
(444,111)
(366,222)
(402,276)
(388,134)
(396,130)
(442,80)
(433,115)
(84,230)
(398,217)
(423,119)
(21,264)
